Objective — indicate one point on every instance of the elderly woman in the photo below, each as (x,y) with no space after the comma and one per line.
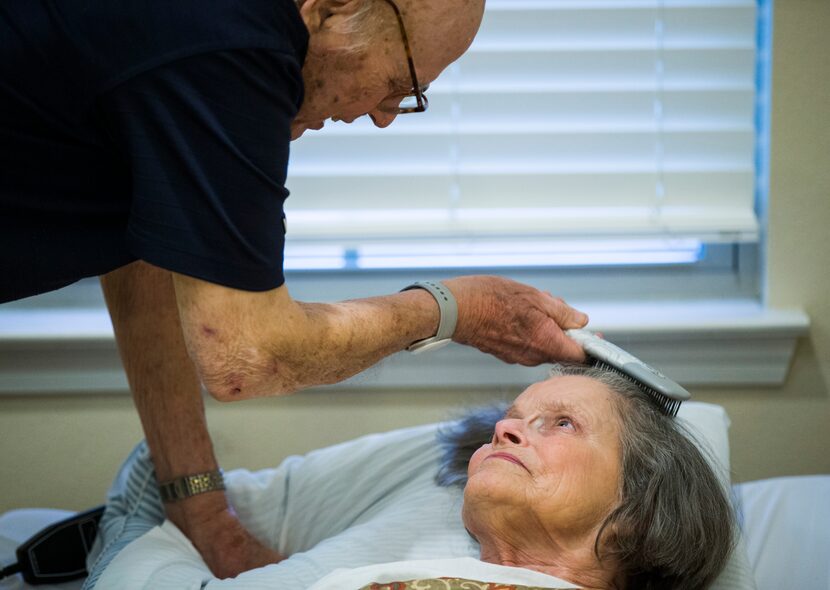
(586,480)
(581,482)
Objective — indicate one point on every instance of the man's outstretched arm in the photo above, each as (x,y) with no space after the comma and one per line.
(254,344)
(167,393)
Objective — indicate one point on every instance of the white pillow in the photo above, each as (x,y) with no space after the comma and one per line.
(709,424)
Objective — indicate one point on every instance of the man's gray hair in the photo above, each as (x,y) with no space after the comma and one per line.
(365,23)
(673,526)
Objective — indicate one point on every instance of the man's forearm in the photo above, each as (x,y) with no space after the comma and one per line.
(351,336)
(276,345)
(164,383)
(168,397)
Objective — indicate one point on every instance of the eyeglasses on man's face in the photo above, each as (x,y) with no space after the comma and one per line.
(415,101)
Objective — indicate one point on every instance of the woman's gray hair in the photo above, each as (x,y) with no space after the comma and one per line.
(673,526)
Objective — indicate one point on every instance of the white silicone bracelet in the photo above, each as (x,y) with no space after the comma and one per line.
(448,316)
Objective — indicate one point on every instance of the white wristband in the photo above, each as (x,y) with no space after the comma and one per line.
(448,316)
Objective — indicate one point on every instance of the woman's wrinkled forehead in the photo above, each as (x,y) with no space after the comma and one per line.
(571,394)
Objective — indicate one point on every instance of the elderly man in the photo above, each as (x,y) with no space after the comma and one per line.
(147,142)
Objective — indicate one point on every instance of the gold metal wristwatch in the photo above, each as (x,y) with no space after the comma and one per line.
(191,485)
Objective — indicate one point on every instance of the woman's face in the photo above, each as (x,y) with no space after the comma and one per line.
(553,463)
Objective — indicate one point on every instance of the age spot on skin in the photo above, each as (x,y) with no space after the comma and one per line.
(234,385)
(208,331)
(273,367)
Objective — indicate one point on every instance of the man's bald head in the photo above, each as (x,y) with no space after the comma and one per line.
(440,31)
(357,62)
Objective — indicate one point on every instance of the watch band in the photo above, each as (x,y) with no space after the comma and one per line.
(448,316)
(191,485)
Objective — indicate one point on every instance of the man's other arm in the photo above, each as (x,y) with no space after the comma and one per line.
(167,394)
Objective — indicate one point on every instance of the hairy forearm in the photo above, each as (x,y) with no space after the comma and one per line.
(167,393)
(164,383)
(364,332)
(165,387)
(276,345)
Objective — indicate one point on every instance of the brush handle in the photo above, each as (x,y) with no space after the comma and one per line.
(601,349)
(613,355)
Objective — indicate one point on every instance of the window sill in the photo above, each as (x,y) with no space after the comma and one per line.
(702,343)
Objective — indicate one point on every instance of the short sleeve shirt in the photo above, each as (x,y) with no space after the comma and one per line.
(148,130)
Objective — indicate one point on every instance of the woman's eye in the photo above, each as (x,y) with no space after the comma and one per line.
(548,424)
(564,423)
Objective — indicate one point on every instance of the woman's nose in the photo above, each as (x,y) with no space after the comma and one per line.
(381,118)
(509,431)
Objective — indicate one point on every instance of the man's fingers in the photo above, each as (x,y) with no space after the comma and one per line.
(564,315)
(559,347)
(514,322)
(570,350)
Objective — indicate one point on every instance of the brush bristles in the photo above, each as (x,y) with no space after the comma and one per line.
(666,405)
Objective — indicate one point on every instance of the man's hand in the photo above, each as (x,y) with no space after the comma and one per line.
(514,322)
(226,546)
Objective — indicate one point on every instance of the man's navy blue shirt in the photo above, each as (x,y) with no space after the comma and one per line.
(145,129)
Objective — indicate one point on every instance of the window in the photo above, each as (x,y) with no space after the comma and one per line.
(572,133)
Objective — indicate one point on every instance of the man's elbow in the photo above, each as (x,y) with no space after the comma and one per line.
(239,379)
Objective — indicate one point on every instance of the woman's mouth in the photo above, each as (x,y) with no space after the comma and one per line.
(508,457)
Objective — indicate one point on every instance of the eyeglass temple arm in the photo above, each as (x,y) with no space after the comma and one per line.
(409,60)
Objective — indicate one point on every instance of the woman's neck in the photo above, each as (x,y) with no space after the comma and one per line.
(577,564)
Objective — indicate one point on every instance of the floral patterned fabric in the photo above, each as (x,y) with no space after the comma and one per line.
(448,584)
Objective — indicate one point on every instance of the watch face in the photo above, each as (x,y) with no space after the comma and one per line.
(197,484)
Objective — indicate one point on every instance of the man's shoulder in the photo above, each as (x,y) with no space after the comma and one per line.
(123,38)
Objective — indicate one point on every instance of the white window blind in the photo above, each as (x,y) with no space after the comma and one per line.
(624,122)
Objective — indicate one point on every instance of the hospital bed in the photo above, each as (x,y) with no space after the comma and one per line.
(785,521)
